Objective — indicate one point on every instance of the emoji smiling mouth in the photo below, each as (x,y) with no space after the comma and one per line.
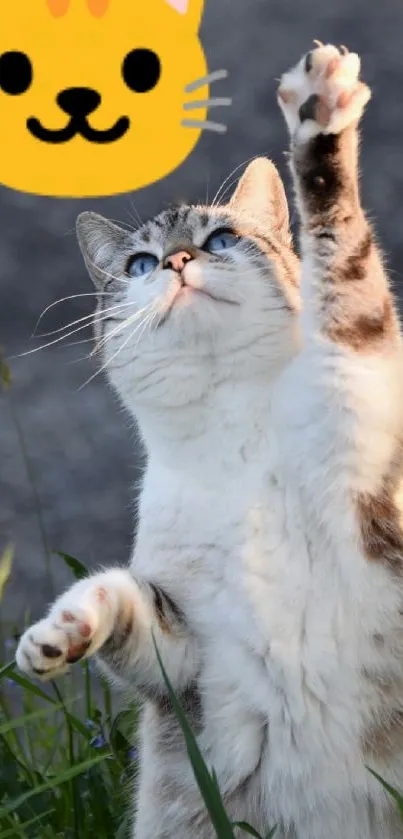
(78,127)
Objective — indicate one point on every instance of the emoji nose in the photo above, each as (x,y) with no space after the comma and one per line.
(177,261)
(78,101)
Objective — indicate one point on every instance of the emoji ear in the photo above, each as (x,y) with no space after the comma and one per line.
(260,193)
(105,248)
(190,10)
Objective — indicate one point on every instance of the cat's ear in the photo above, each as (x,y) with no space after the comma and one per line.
(190,10)
(260,194)
(103,245)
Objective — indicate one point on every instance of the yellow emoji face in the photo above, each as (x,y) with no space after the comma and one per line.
(99,97)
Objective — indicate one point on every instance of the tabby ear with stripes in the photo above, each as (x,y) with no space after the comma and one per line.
(105,247)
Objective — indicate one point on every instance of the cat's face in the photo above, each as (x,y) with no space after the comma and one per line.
(96,96)
(197,288)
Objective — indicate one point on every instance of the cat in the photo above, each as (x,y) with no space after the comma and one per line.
(269,554)
(95,96)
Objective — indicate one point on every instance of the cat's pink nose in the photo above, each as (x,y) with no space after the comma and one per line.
(177,261)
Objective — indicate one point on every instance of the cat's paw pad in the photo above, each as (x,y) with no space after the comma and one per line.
(323,93)
(69,633)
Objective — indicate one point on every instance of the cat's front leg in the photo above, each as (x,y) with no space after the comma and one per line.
(349,373)
(344,287)
(117,617)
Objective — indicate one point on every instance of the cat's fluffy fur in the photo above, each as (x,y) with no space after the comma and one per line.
(269,554)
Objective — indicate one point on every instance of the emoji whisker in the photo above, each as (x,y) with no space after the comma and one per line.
(208,103)
(218,127)
(212,77)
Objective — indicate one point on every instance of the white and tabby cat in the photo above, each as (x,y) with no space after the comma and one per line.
(269,555)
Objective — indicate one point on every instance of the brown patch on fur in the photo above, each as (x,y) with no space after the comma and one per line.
(379,520)
(167,612)
(326,170)
(318,166)
(366,330)
(120,635)
(127,629)
(356,267)
(384,737)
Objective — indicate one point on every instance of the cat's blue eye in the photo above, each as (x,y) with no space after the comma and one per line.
(221,240)
(142,265)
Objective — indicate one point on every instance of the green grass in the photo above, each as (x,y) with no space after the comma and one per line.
(66,761)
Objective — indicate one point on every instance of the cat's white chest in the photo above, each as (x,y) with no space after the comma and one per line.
(235,555)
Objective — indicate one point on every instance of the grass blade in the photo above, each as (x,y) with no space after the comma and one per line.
(5,374)
(29,686)
(6,562)
(17,722)
(6,834)
(79,570)
(392,792)
(6,669)
(247,829)
(57,781)
(206,782)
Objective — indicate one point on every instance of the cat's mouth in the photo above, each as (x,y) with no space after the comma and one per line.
(188,292)
(78,127)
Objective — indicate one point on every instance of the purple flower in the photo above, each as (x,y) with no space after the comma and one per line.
(90,724)
(132,754)
(9,643)
(11,682)
(98,742)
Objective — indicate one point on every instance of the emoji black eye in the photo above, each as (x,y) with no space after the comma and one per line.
(15,73)
(141,70)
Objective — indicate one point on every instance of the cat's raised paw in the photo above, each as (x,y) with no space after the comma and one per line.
(71,632)
(323,94)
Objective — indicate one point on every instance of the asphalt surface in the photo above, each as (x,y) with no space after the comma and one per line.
(82,455)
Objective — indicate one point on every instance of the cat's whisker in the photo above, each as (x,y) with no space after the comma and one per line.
(215,76)
(223,195)
(48,344)
(231,174)
(76,344)
(207,125)
(124,322)
(147,322)
(129,227)
(112,277)
(70,297)
(118,329)
(97,318)
(218,102)
(137,215)
(91,316)
(108,362)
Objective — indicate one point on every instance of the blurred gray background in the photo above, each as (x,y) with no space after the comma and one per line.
(68,481)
